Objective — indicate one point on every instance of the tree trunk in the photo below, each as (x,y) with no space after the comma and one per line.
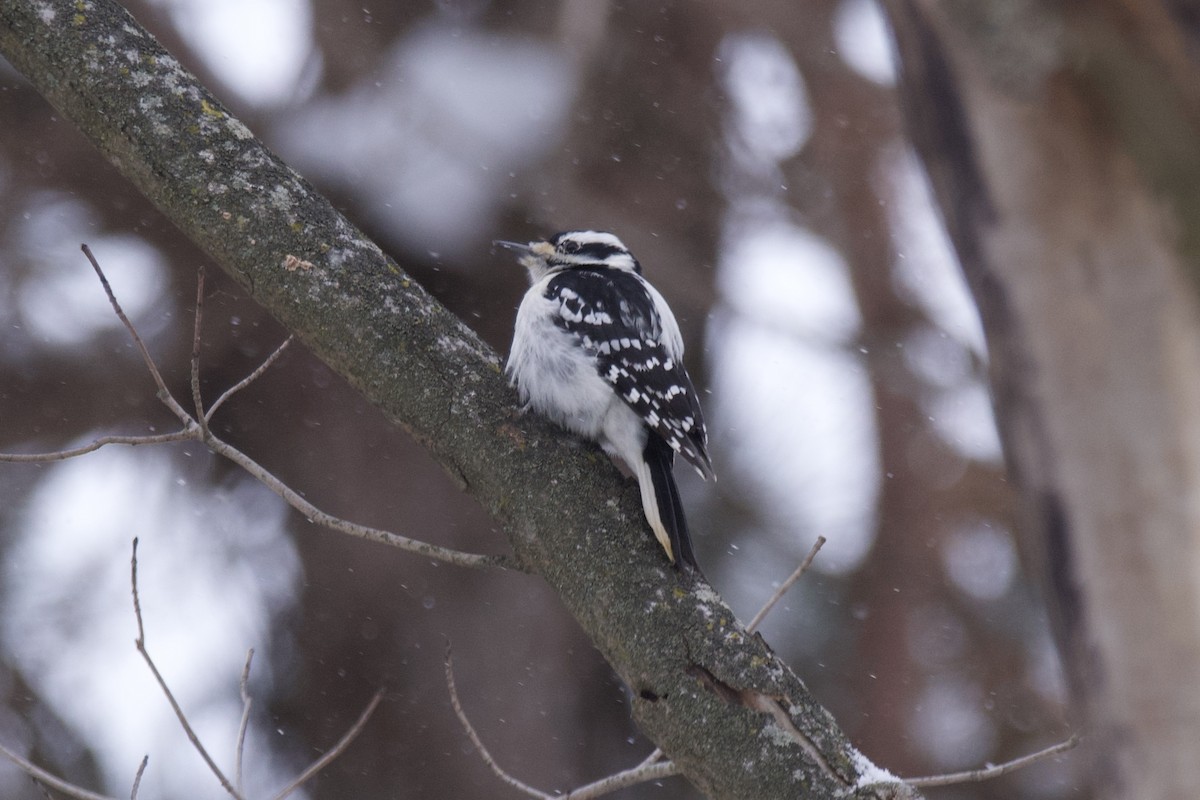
(1063,143)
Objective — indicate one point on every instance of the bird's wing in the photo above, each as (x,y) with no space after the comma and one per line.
(613,314)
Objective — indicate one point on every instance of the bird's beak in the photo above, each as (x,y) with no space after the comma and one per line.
(522,249)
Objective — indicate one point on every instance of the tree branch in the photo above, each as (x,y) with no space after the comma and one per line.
(140,643)
(648,770)
(94,445)
(323,761)
(54,782)
(787,584)
(47,779)
(480,747)
(249,379)
(196,429)
(326,758)
(197,400)
(244,725)
(996,770)
(137,778)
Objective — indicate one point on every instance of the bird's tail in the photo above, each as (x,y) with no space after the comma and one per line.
(660,501)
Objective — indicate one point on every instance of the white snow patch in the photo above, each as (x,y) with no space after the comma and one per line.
(869,772)
(707,595)
(238,129)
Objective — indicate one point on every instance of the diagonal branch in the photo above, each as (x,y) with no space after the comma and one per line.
(327,758)
(314,514)
(787,584)
(53,781)
(996,770)
(137,778)
(163,393)
(249,379)
(496,769)
(196,429)
(648,770)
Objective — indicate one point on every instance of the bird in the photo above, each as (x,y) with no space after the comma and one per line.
(597,350)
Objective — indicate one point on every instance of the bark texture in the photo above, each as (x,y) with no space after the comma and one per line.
(1063,143)
(735,718)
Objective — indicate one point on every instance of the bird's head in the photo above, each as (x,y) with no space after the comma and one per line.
(573,250)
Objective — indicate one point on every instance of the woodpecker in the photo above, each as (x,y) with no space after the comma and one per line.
(597,350)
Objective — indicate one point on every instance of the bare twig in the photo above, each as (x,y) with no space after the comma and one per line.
(787,584)
(137,779)
(137,604)
(496,769)
(337,749)
(311,512)
(249,379)
(288,494)
(54,782)
(197,399)
(43,777)
(163,394)
(244,690)
(63,455)
(197,430)
(623,780)
(140,643)
(995,771)
(653,758)
(648,770)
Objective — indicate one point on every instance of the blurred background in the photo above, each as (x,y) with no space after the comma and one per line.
(752,155)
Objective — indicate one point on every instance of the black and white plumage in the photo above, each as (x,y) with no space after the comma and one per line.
(597,350)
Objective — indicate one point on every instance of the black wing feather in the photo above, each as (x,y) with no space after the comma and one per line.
(614,318)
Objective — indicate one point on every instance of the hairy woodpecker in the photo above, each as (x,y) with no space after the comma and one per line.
(598,351)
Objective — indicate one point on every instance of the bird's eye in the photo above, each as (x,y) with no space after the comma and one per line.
(569,246)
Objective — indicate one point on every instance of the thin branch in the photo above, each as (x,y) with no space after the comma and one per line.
(311,512)
(197,399)
(137,604)
(166,690)
(787,584)
(63,455)
(249,379)
(199,431)
(292,497)
(244,690)
(289,495)
(163,394)
(995,771)
(337,750)
(137,779)
(653,758)
(648,770)
(56,783)
(623,780)
(496,769)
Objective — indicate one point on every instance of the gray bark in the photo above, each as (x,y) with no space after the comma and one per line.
(735,719)
(1063,142)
